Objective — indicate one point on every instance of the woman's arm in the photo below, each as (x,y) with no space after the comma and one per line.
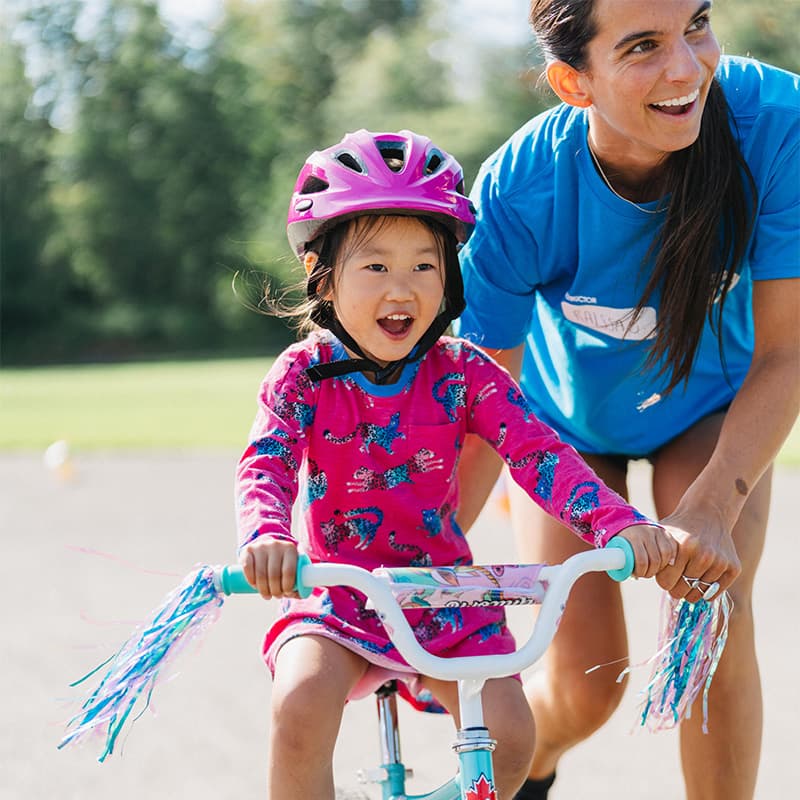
(757,423)
(480,465)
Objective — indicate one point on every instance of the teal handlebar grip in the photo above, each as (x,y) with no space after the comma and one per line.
(303,590)
(623,573)
(231,579)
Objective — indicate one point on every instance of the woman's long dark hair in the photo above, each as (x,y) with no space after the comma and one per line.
(710,214)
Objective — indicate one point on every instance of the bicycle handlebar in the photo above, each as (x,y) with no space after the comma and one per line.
(616,558)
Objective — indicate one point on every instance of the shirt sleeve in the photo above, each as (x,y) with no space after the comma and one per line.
(498,263)
(776,240)
(267,474)
(552,472)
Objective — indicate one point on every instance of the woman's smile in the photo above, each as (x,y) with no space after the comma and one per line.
(677,105)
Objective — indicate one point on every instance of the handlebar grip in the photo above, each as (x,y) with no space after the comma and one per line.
(231,580)
(304,591)
(624,572)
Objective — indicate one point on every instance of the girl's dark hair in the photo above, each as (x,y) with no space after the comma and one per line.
(709,219)
(332,247)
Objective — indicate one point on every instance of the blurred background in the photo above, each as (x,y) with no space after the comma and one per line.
(148,149)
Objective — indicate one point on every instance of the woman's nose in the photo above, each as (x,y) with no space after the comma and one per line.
(684,64)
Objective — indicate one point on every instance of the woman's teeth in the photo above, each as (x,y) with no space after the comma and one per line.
(680,101)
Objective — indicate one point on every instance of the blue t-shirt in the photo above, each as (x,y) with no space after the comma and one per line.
(556,262)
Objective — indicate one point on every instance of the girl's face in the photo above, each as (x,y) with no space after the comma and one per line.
(649,70)
(389,286)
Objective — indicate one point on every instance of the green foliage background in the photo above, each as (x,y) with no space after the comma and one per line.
(142,170)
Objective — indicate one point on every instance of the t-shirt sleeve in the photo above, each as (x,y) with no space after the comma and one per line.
(498,263)
(776,240)
(267,474)
(552,472)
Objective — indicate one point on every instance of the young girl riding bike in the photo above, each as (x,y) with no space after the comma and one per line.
(364,421)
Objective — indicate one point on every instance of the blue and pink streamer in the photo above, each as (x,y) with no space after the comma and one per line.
(144,660)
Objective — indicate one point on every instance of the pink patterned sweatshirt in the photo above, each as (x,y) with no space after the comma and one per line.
(374,469)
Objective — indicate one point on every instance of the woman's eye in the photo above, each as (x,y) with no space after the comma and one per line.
(700,24)
(643,47)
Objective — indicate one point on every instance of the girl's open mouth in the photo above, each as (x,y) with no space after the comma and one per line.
(396,324)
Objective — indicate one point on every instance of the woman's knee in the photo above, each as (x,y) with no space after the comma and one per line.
(583,703)
(594,700)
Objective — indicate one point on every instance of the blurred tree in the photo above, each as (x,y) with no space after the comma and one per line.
(139,171)
(153,168)
(36,287)
(148,172)
(765,30)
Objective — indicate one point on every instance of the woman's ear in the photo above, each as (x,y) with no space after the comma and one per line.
(566,82)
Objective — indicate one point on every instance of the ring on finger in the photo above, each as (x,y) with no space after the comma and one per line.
(706,588)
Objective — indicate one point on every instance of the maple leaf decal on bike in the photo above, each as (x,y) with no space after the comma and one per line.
(481,790)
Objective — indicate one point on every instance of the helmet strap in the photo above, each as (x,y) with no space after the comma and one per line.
(335,369)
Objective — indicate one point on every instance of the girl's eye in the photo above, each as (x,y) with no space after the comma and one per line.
(376,267)
(424,267)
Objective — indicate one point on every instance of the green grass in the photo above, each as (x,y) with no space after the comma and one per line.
(167,405)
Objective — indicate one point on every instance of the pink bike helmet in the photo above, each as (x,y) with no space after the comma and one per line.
(378,173)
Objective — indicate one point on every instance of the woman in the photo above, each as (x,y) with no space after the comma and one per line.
(642,241)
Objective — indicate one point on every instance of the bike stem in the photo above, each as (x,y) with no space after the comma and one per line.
(473,744)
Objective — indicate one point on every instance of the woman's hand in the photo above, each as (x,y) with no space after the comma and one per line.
(706,554)
(270,565)
(654,548)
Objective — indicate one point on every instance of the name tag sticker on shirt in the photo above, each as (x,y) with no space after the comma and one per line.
(614,322)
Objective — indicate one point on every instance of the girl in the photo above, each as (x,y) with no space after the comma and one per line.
(650,225)
(364,421)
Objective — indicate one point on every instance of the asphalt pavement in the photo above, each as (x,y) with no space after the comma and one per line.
(88,557)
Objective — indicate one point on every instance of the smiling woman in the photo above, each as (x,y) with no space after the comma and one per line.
(642,239)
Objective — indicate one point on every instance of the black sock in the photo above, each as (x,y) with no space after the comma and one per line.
(535,789)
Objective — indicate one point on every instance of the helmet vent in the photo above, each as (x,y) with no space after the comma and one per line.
(435,160)
(313,185)
(350,161)
(393,154)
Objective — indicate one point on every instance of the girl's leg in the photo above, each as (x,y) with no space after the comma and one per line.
(569,705)
(509,720)
(724,762)
(313,677)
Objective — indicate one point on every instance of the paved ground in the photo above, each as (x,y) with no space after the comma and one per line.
(65,611)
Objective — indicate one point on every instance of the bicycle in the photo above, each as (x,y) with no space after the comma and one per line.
(390,590)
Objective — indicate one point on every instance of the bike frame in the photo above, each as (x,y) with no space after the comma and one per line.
(473,745)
